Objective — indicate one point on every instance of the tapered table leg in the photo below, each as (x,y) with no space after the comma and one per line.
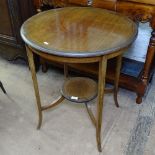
(101,87)
(116,81)
(35,84)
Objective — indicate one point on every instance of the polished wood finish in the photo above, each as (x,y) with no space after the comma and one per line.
(37,4)
(101,87)
(35,84)
(117,74)
(140,11)
(109,4)
(63,3)
(72,41)
(141,1)
(79,89)
(71,37)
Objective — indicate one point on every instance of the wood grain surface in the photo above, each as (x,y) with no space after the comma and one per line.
(79,31)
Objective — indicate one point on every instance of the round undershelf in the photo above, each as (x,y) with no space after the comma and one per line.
(79,89)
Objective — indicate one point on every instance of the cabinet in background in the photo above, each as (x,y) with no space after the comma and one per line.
(12,14)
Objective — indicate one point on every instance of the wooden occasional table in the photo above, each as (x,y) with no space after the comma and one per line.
(79,35)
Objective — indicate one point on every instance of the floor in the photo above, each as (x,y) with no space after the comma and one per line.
(128,130)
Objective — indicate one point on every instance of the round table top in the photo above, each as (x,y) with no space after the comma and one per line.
(78,32)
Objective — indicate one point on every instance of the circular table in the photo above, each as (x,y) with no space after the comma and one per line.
(79,35)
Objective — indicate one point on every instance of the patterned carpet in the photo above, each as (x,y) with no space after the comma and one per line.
(142,128)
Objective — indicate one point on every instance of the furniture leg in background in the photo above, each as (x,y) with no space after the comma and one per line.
(148,63)
(1,85)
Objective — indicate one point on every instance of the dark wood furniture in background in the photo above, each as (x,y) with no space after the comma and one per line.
(141,11)
(12,14)
(2,87)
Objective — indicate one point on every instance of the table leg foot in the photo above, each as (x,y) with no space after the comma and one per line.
(99,147)
(139,98)
(115,99)
(39,122)
(98,139)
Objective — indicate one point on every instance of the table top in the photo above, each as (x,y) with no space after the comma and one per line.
(78,32)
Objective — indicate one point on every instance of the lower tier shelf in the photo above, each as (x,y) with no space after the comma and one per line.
(130,78)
